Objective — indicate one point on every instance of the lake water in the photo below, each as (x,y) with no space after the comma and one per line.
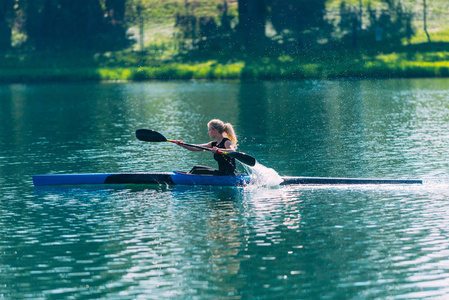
(308,242)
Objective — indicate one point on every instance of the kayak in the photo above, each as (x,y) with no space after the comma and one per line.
(169,178)
(181,178)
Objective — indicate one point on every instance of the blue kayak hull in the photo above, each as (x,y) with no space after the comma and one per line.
(170,178)
(189,179)
(72,179)
(139,178)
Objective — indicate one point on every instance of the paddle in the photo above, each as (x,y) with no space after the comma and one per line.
(148,135)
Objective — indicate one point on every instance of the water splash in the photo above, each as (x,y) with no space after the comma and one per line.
(263,176)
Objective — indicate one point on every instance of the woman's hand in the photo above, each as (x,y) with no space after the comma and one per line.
(178,142)
(215,149)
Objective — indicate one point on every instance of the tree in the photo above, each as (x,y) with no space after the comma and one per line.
(115,26)
(297,21)
(425,20)
(301,20)
(82,24)
(252,19)
(390,26)
(6,12)
(205,32)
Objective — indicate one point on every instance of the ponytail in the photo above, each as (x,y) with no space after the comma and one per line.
(227,129)
(230,134)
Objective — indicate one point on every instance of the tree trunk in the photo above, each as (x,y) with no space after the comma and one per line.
(5,29)
(5,35)
(252,17)
(425,20)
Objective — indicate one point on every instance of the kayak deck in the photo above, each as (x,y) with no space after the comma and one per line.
(179,178)
(333,180)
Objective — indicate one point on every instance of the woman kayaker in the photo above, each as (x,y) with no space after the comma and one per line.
(225,138)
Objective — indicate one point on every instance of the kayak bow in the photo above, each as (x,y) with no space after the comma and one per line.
(180,178)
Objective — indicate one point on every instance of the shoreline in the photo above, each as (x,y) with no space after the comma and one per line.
(233,71)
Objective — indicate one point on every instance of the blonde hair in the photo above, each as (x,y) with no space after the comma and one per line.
(226,129)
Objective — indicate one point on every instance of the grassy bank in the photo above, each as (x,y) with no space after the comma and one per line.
(132,67)
(172,71)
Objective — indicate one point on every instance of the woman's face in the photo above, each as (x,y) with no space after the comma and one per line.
(212,132)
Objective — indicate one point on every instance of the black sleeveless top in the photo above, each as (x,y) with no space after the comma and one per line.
(226,164)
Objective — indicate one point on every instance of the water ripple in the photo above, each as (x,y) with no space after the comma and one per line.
(313,242)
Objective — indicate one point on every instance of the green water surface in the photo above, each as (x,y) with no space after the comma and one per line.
(178,242)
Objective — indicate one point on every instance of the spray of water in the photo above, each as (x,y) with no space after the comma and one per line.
(263,176)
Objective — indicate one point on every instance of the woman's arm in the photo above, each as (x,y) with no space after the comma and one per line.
(228,146)
(180,143)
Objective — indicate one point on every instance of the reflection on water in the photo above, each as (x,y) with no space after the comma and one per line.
(157,242)
(222,241)
(226,241)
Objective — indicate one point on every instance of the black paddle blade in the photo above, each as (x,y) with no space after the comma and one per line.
(244,158)
(148,135)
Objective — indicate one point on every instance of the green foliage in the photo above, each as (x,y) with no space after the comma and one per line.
(156,11)
(64,25)
(61,24)
(127,66)
(216,55)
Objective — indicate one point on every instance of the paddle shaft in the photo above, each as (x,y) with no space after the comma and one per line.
(199,147)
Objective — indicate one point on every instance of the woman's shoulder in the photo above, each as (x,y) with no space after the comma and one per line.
(228,142)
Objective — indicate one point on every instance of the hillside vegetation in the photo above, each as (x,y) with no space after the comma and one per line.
(161,58)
